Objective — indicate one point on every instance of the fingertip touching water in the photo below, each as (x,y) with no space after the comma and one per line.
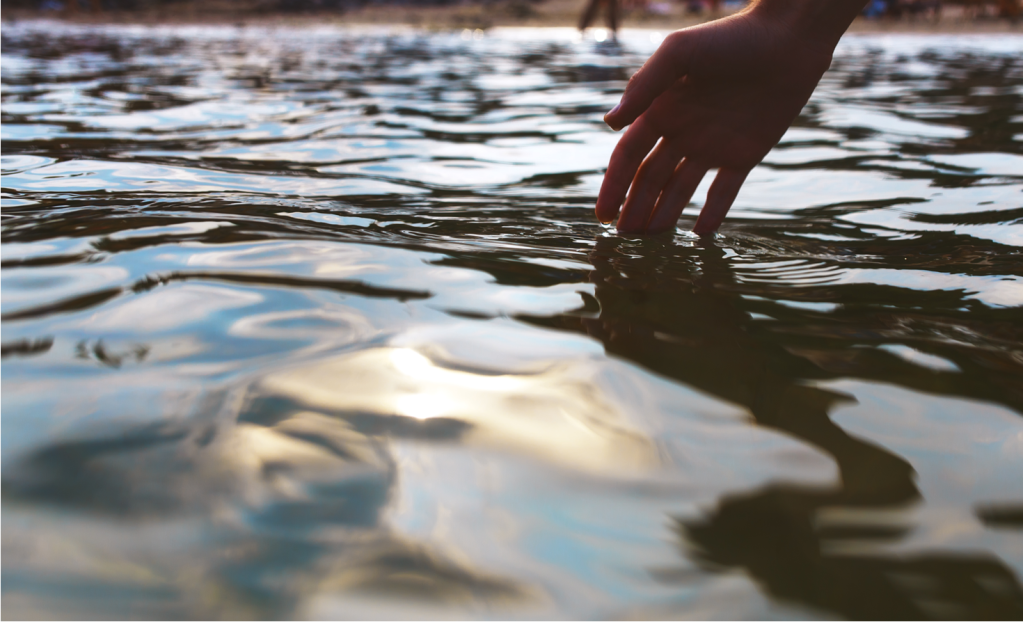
(315,323)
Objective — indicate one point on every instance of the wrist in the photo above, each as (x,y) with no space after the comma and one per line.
(818,23)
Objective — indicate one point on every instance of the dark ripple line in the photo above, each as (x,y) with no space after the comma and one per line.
(348,287)
(76,303)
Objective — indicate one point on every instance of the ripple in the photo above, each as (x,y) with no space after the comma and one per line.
(92,176)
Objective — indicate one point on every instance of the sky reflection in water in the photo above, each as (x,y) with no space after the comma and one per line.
(317,323)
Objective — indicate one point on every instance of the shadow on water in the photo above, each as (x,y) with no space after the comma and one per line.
(691,326)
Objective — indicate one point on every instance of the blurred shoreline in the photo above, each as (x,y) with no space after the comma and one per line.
(498,13)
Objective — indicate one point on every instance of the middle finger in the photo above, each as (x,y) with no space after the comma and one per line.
(651,178)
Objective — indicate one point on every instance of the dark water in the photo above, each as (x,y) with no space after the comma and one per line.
(318,323)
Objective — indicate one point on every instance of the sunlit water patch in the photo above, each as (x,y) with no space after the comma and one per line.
(318,323)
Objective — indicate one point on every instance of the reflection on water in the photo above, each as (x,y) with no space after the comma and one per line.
(316,323)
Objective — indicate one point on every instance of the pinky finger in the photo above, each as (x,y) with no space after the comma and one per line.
(720,197)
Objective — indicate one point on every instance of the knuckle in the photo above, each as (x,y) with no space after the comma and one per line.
(633,153)
(673,39)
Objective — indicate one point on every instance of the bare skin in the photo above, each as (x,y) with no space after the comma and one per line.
(715,96)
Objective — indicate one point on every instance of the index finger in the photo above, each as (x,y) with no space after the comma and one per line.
(664,67)
(628,154)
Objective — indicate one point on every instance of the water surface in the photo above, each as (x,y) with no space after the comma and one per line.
(317,323)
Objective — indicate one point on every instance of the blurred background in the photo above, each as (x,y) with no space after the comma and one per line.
(913,14)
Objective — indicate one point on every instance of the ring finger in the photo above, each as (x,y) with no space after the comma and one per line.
(676,195)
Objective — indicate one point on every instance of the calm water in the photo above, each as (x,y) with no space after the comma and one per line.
(318,323)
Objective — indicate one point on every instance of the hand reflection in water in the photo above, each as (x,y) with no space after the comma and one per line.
(718,95)
(691,326)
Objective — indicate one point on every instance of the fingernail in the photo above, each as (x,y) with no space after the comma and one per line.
(613,126)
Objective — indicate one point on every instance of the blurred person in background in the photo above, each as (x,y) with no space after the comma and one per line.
(875,9)
(71,7)
(915,8)
(699,7)
(1010,10)
(590,12)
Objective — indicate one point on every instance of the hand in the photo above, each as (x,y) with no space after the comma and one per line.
(719,95)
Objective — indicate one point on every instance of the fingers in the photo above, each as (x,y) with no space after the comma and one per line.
(719,199)
(651,178)
(676,195)
(669,63)
(628,154)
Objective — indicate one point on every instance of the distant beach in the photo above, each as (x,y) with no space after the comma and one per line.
(953,19)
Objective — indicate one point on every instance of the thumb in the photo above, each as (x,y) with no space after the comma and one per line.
(669,63)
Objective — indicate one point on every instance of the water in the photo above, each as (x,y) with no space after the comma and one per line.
(318,323)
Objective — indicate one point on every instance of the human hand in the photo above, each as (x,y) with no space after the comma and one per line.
(718,95)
